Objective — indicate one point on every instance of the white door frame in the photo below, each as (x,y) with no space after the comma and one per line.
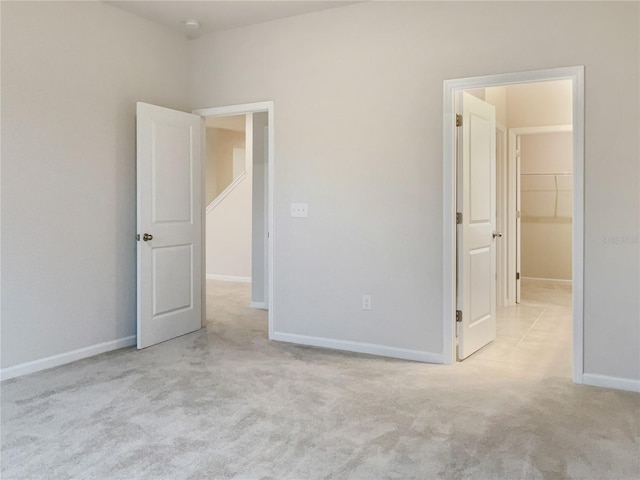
(501,213)
(513,202)
(244,109)
(451,87)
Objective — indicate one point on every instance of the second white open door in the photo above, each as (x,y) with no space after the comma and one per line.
(476,234)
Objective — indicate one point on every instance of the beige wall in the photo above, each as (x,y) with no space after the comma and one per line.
(228,224)
(534,104)
(211,187)
(531,104)
(546,249)
(229,233)
(350,96)
(72,73)
(546,153)
(546,205)
(220,145)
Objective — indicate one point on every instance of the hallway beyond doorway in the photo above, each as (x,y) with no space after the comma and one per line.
(533,337)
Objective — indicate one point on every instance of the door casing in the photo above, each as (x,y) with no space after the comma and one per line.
(450,89)
(243,109)
(501,213)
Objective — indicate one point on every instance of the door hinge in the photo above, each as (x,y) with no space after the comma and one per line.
(458,315)
(517,213)
(138,237)
(458,120)
(458,218)
(517,275)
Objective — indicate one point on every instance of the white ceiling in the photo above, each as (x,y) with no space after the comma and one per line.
(216,15)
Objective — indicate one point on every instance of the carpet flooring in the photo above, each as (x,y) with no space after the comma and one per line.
(225,403)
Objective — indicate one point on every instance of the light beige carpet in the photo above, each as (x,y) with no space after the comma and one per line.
(226,403)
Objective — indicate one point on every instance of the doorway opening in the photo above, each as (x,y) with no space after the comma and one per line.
(540,158)
(542,193)
(235,205)
(237,212)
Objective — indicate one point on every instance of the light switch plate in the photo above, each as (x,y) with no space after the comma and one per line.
(366,302)
(299,210)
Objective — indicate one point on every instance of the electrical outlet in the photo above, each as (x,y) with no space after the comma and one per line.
(299,210)
(366,302)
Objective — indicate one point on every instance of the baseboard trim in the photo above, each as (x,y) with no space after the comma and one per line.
(549,280)
(64,358)
(228,278)
(606,381)
(358,347)
(259,305)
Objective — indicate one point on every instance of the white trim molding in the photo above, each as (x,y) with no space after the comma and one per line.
(259,305)
(230,188)
(66,357)
(228,278)
(234,109)
(542,129)
(358,347)
(450,89)
(562,281)
(606,381)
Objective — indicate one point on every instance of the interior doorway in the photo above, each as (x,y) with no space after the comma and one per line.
(228,191)
(540,158)
(534,329)
(245,190)
(236,211)
(505,216)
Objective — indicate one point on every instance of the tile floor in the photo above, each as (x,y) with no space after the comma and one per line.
(534,337)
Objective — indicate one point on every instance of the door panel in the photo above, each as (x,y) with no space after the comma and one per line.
(172,164)
(480,168)
(476,244)
(172,279)
(169,207)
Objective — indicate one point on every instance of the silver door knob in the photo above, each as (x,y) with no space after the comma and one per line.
(147,236)
(497,234)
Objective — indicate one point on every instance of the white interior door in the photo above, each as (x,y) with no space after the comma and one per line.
(476,232)
(169,206)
